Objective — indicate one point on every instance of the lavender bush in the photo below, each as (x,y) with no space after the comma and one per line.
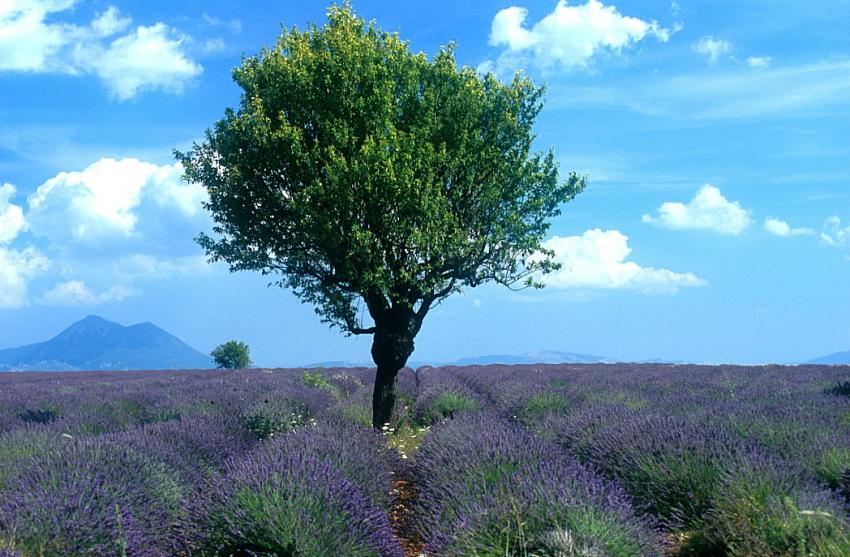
(276,503)
(487,487)
(91,498)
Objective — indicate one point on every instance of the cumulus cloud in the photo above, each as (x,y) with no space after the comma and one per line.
(102,202)
(708,210)
(16,268)
(781,228)
(105,229)
(110,22)
(834,234)
(146,58)
(76,293)
(569,37)
(27,42)
(712,48)
(11,216)
(149,58)
(597,260)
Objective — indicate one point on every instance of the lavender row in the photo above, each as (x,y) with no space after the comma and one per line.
(734,461)
(201,490)
(96,403)
(261,462)
(318,491)
(488,487)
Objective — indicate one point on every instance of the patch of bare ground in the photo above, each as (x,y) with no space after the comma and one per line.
(403,494)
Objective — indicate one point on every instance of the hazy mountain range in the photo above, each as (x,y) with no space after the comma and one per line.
(94,343)
(541,357)
(834,359)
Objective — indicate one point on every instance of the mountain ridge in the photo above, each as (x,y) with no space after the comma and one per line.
(836,358)
(94,343)
(527,358)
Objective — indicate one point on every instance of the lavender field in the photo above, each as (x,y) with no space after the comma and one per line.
(547,461)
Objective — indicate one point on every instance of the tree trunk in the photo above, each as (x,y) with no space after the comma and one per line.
(383,398)
(390,350)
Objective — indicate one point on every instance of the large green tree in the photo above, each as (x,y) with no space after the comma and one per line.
(375,182)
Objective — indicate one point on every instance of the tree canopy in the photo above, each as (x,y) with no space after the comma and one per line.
(233,354)
(375,182)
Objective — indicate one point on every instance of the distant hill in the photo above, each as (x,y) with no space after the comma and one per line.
(834,359)
(94,343)
(543,357)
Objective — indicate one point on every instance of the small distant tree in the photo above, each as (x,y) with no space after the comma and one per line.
(233,354)
(372,180)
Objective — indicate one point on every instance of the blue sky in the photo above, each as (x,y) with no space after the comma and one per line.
(715,136)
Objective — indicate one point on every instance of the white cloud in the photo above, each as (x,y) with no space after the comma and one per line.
(597,260)
(103,202)
(707,210)
(116,222)
(781,228)
(110,22)
(76,293)
(759,61)
(147,58)
(16,268)
(712,48)
(569,37)
(833,233)
(11,216)
(27,43)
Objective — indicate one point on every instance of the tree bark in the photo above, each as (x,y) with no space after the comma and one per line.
(383,398)
(392,345)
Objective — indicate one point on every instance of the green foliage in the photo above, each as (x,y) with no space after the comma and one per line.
(526,530)
(830,465)
(317,380)
(841,389)
(274,416)
(43,414)
(447,405)
(233,354)
(357,413)
(674,486)
(356,171)
(757,514)
(118,415)
(615,397)
(17,447)
(544,403)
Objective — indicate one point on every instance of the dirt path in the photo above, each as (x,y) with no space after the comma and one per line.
(403,492)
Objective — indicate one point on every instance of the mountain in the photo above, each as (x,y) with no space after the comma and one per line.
(94,343)
(834,359)
(543,357)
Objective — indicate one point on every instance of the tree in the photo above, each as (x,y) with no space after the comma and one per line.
(375,183)
(233,354)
